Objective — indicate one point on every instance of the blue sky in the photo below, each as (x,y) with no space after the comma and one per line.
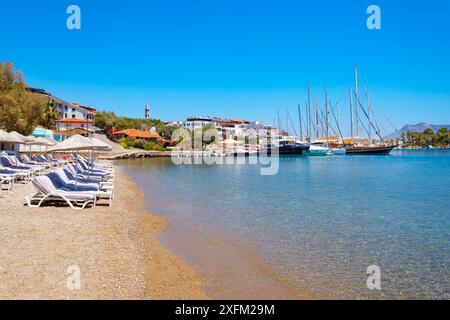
(240,59)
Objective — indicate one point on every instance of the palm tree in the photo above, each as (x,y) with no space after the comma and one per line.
(49,115)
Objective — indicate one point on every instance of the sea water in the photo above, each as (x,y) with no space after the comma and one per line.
(321,222)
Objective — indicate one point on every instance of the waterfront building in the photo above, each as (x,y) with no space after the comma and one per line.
(134,134)
(73,118)
(197,121)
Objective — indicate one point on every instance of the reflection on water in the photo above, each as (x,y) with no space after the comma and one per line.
(320,222)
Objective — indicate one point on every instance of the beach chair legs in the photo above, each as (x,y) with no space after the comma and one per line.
(41,199)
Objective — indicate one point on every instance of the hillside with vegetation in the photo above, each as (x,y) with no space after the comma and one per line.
(419,127)
(438,139)
(106,121)
(20,110)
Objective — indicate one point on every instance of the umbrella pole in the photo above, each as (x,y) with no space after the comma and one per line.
(76,172)
(16,153)
(92,159)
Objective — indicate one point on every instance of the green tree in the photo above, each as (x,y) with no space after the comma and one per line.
(19,110)
(49,115)
(164,130)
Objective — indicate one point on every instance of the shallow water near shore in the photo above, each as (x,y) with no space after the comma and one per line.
(313,228)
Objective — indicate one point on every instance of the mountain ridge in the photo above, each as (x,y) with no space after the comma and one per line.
(419,127)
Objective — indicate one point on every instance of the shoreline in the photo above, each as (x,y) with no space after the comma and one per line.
(124,252)
(117,250)
(167,275)
(227,268)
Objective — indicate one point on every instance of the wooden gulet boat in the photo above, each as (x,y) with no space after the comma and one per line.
(370,149)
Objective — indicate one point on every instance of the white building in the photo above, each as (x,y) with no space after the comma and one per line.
(72,117)
(196,122)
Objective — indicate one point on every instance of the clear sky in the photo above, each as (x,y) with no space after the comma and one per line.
(234,58)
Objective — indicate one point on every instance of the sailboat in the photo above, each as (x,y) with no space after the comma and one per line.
(283,144)
(357,146)
(315,148)
(324,146)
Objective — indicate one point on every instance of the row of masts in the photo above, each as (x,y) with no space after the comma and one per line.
(314,116)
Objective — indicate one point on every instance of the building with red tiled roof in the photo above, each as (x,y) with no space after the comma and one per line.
(72,117)
(135,134)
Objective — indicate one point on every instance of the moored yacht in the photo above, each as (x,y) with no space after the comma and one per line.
(318,150)
(286,147)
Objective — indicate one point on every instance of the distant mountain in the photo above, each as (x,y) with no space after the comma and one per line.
(420,127)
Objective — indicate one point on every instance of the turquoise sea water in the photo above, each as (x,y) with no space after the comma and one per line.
(321,221)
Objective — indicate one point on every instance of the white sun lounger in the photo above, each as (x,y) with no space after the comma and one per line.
(23,176)
(37,168)
(28,161)
(102,185)
(51,157)
(47,192)
(100,193)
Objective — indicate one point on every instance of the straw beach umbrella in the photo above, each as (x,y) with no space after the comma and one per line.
(50,141)
(74,143)
(100,145)
(18,136)
(43,142)
(33,141)
(3,135)
(9,138)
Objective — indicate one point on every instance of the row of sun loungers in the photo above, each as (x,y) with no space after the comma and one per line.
(13,169)
(79,185)
(78,182)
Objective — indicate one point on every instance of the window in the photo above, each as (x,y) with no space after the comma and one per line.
(73,116)
(73,109)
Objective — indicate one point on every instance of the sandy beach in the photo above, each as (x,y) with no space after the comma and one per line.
(116,249)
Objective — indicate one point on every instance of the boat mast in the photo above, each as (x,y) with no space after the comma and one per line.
(292,123)
(300,122)
(279,122)
(351,112)
(327,120)
(287,122)
(316,125)
(368,116)
(308,116)
(357,101)
(338,117)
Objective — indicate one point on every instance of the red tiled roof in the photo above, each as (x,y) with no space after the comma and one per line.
(133,133)
(90,109)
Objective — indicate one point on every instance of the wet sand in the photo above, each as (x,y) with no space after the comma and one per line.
(229,269)
(116,249)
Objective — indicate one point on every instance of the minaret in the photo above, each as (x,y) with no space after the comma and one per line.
(147,111)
